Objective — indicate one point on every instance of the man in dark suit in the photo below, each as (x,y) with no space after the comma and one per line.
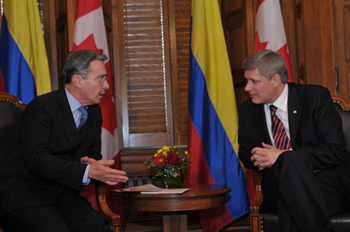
(57,153)
(305,179)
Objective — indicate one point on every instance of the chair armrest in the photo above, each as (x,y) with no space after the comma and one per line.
(112,218)
(258,192)
(255,221)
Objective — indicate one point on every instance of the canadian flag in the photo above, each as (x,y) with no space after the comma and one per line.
(269,34)
(90,33)
(269,31)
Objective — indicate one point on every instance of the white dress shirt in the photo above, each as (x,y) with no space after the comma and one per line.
(282,113)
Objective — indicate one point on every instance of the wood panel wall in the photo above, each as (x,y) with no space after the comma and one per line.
(238,19)
(62,42)
(342,47)
(180,29)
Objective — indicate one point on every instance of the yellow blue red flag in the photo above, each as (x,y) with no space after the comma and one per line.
(213,120)
(23,59)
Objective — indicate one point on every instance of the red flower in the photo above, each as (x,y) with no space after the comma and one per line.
(173,158)
(160,160)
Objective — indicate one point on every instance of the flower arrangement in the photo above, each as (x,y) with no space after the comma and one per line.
(173,159)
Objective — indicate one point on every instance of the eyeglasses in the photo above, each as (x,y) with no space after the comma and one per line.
(101,79)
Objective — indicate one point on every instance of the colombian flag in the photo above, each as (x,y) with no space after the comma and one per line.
(213,120)
(23,60)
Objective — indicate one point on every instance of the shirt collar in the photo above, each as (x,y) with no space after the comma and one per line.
(282,101)
(73,102)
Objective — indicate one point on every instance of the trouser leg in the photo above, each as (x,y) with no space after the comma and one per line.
(34,219)
(291,181)
(70,213)
(78,214)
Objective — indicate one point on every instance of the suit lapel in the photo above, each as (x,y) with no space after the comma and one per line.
(294,113)
(66,119)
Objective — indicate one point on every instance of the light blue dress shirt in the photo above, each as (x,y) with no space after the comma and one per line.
(74,105)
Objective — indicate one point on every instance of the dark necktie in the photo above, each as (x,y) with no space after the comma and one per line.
(83,117)
(279,134)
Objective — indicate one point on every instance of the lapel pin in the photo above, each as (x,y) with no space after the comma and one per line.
(294,112)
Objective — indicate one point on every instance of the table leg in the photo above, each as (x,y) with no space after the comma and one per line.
(174,222)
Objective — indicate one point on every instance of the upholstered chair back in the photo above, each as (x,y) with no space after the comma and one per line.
(345,115)
(11,109)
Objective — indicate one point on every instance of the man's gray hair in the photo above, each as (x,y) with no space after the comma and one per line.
(78,63)
(268,64)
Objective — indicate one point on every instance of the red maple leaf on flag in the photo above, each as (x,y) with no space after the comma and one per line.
(107,104)
(88,43)
(258,44)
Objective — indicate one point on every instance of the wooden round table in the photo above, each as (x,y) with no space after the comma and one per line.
(200,196)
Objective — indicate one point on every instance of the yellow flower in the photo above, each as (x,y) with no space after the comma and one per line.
(159,151)
(155,155)
(164,153)
(165,148)
(186,152)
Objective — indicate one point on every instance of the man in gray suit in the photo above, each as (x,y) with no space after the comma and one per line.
(306,179)
(57,153)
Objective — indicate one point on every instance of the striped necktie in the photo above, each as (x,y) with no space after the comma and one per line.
(279,134)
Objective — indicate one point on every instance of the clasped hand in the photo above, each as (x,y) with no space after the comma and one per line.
(100,170)
(265,157)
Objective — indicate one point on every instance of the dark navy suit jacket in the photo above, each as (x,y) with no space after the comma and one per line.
(46,157)
(315,130)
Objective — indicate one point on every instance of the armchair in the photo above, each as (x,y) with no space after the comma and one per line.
(11,109)
(269,221)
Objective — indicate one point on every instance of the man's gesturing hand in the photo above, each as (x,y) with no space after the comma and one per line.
(100,170)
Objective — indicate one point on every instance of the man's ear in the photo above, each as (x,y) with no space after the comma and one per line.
(276,80)
(76,81)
